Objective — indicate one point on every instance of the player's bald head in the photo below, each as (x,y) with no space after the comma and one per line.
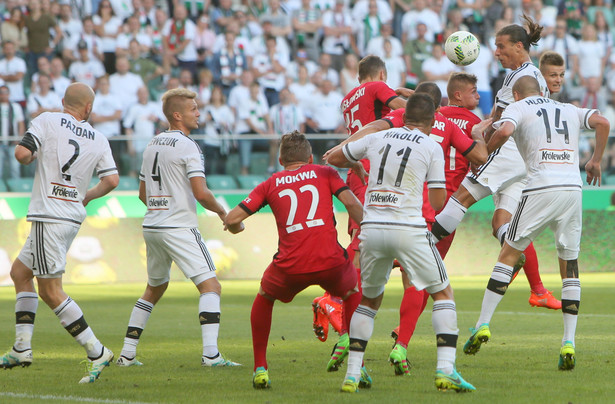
(420,110)
(78,95)
(526,86)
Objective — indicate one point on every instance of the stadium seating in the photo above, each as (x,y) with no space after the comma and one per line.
(609,179)
(20,184)
(250,181)
(259,162)
(221,182)
(3,187)
(128,184)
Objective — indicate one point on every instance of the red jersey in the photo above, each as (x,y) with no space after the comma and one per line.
(448,135)
(458,165)
(366,103)
(302,203)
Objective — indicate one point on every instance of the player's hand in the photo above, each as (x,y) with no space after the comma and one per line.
(360,172)
(481,127)
(474,168)
(404,92)
(330,151)
(594,173)
(234,229)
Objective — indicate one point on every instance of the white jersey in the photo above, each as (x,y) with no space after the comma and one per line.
(169,161)
(547,135)
(68,151)
(401,160)
(505,163)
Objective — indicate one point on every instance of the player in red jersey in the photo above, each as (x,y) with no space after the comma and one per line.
(308,252)
(369,101)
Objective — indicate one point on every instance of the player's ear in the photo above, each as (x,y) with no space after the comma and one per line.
(311,159)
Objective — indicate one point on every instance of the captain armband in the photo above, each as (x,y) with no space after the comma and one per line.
(28,142)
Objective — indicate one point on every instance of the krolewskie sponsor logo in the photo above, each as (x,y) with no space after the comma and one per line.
(565,156)
(63,192)
(161,202)
(384,198)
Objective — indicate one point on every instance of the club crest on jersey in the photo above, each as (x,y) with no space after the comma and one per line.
(160,202)
(63,192)
(557,156)
(388,199)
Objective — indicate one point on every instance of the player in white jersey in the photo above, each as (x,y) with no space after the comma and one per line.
(401,160)
(172,181)
(504,173)
(547,135)
(68,150)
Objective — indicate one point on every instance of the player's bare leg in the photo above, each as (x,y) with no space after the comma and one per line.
(571,298)
(136,324)
(26,304)
(496,288)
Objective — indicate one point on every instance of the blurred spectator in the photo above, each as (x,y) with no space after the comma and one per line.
(140,124)
(301,59)
(592,95)
(14,29)
(106,117)
(157,37)
(89,36)
(85,69)
(59,81)
(269,69)
(228,64)
(12,72)
(416,51)
(71,27)
(107,26)
(599,7)
(219,121)
(205,85)
(204,41)
(361,9)
(247,29)
(471,12)
(178,40)
(592,58)
(279,18)
(241,44)
(605,36)
(146,13)
(241,92)
(124,85)
(132,30)
(285,117)
(252,118)
(43,99)
(455,21)
(396,68)
(323,116)
(573,12)
(368,27)
(82,8)
(222,15)
(12,128)
(326,71)
(349,75)
(39,24)
(420,13)
(337,29)
(186,80)
(122,8)
(564,44)
(195,7)
(143,66)
(375,46)
(258,43)
(307,22)
(256,8)
(481,68)
(438,68)
(399,8)
(303,89)
(44,67)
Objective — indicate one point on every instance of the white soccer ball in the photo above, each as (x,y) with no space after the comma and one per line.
(462,48)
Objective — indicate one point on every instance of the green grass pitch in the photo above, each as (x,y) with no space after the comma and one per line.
(518,365)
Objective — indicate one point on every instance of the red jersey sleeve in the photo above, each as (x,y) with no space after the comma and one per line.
(257,199)
(383,92)
(395,118)
(460,141)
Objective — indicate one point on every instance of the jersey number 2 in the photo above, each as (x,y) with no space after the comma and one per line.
(70,161)
(294,203)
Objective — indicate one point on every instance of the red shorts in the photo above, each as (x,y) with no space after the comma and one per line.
(283,286)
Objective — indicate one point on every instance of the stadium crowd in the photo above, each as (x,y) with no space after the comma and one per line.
(266,68)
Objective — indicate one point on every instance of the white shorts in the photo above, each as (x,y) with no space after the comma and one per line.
(415,250)
(183,246)
(46,247)
(560,210)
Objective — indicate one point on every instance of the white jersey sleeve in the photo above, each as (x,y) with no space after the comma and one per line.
(504,97)
(435,171)
(68,152)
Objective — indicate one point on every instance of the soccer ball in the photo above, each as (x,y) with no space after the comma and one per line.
(462,48)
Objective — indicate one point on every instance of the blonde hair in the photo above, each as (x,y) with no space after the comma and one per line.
(173,101)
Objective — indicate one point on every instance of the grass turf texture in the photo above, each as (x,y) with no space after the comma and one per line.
(519,364)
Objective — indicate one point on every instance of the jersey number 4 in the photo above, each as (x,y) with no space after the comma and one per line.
(291,226)
(561,127)
(156,172)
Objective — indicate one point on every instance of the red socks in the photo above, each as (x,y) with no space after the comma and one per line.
(531,270)
(412,305)
(260,318)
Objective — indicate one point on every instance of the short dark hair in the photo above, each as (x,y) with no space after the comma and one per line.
(294,147)
(370,66)
(420,110)
(431,89)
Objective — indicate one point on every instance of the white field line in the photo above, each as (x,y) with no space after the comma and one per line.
(52,397)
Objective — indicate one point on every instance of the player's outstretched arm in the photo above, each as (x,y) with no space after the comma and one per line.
(337,158)
(234,220)
(352,204)
(106,184)
(207,199)
(437,198)
(602,127)
(500,136)
(495,116)
(478,155)
(24,155)
(372,127)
